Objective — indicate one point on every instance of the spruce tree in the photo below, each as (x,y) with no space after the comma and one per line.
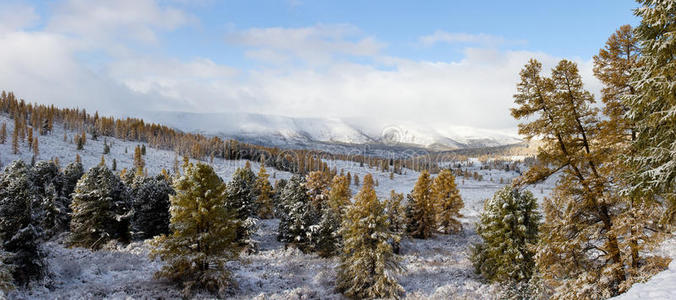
(71,174)
(448,202)
(18,234)
(50,209)
(367,263)
(296,215)
(203,233)
(150,205)
(652,107)
(101,209)
(397,217)
(420,210)
(6,270)
(240,198)
(509,230)
(264,205)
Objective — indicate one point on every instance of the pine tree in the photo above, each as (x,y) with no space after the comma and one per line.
(652,107)
(396,216)
(3,133)
(18,234)
(509,229)
(240,198)
(296,215)
(114,166)
(264,205)
(100,209)
(50,209)
(448,202)
(420,210)
(150,204)
(71,174)
(203,234)
(367,263)
(6,270)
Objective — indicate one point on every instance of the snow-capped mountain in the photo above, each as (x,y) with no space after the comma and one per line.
(304,132)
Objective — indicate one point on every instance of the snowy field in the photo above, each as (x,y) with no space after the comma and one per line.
(438,268)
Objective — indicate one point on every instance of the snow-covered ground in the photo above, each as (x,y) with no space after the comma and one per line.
(437,268)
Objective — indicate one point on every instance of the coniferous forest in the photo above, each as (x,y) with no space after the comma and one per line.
(95,207)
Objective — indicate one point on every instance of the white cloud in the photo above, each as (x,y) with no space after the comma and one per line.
(316,44)
(102,20)
(14,16)
(441,36)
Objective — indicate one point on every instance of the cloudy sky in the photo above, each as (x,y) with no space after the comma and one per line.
(440,63)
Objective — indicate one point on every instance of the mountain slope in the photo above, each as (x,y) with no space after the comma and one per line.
(286,131)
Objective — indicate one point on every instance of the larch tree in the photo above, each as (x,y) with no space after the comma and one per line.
(367,263)
(264,205)
(203,234)
(139,162)
(327,238)
(420,210)
(448,202)
(652,107)
(3,133)
(318,189)
(582,244)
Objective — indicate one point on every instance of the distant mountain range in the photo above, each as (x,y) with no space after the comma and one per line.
(286,132)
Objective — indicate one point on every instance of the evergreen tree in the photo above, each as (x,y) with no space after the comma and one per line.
(296,215)
(50,209)
(264,205)
(367,263)
(509,230)
(18,234)
(71,174)
(448,202)
(652,106)
(6,270)
(150,204)
(420,210)
(396,216)
(100,209)
(203,237)
(240,198)
(114,166)
(106,147)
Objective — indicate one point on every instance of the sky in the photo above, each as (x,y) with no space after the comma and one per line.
(437,63)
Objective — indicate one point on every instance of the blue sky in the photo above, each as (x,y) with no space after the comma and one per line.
(453,62)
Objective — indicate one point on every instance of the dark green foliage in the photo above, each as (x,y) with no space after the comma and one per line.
(16,231)
(240,198)
(296,215)
(71,174)
(509,229)
(51,210)
(150,205)
(326,240)
(101,209)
